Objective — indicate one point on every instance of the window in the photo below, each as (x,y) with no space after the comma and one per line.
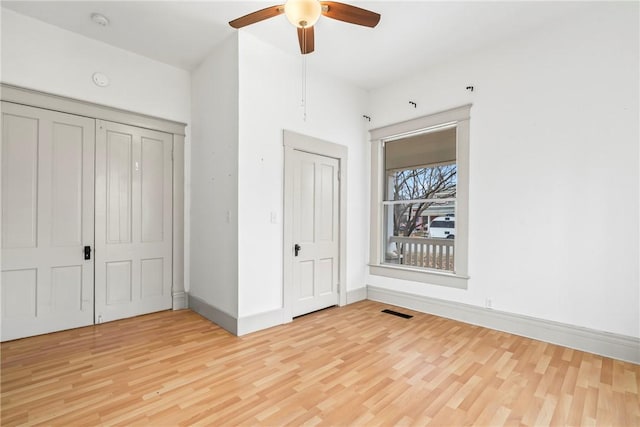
(419,203)
(421,178)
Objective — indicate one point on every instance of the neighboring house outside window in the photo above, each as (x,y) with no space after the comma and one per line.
(420,198)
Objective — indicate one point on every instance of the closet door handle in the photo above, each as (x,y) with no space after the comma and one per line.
(87,252)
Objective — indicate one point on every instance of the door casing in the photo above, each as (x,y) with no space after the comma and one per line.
(292,142)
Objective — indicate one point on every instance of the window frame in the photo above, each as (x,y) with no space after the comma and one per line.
(460,118)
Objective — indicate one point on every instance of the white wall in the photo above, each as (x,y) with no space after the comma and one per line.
(270,95)
(554,196)
(214,179)
(41,56)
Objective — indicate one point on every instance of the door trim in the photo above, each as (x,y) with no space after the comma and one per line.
(48,101)
(293,141)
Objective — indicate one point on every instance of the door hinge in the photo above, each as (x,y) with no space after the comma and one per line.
(339,175)
(338,287)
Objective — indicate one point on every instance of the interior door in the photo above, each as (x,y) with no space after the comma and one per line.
(133,221)
(315,232)
(47,220)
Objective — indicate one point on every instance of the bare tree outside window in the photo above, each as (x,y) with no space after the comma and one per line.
(416,185)
(420,224)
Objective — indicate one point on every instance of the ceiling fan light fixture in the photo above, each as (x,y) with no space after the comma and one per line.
(303,13)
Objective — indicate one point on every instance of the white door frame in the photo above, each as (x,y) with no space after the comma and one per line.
(293,141)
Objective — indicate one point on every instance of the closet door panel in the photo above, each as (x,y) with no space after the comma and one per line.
(19,295)
(134,202)
(153,189)
(118,283)
(66,284)
(47,219)
(19,180)
(66,185)
(119,186)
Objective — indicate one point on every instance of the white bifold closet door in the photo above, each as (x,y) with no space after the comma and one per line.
(47,220)
(133,262)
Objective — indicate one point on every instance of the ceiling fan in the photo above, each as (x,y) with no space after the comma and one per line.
(305,13)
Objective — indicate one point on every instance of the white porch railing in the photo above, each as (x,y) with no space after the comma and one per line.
(424,252)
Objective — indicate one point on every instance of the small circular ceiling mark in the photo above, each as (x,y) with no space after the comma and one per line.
(100,79)
(100,19)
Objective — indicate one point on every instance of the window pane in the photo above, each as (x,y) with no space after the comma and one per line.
(419,234)
(434,182)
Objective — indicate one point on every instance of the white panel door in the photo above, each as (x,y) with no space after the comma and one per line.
(315,232)
(133,221)
(47,220)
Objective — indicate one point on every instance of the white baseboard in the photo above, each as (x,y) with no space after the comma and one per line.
(607,344)
(179,300)
(268,319)
(356,295)
(260,321)
(217,316)
(236,326)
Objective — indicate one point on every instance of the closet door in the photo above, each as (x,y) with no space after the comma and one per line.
(133,221)
(47,220)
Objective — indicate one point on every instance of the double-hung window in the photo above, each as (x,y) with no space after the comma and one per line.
(419,201)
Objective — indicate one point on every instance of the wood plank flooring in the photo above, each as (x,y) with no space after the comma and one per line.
(342,366)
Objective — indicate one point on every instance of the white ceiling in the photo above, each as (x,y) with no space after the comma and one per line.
(411,36)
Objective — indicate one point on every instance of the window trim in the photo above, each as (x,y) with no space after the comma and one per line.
(458,117)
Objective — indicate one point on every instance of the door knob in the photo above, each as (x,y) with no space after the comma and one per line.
(297,248)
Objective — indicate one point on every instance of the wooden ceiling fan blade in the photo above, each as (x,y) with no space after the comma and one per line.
(257,16)
(351,14)
(306,40)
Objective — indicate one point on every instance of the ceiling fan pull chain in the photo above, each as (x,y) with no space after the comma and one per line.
(304,87)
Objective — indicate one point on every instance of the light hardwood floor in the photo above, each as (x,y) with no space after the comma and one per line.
(342,366)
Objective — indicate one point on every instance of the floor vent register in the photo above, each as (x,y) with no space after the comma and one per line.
(396,313)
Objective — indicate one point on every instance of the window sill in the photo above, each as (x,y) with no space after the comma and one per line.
(418,275)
